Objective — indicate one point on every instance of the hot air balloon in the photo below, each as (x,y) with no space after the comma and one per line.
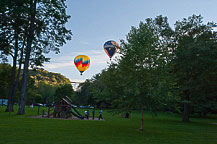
(82,62)
(111,47)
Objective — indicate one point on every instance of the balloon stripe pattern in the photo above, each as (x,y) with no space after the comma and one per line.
(111,47)
(82,62)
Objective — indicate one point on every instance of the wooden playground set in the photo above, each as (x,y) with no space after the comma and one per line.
(62,109)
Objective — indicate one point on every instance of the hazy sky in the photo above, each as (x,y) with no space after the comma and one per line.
(93,22)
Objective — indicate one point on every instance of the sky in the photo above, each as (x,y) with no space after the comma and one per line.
(93,22)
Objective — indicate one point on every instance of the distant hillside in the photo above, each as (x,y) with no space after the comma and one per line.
(54,79)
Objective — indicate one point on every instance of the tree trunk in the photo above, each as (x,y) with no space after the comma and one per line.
(142,120)
(13,92)
(186,112)
(30,37)
(18,73)
(185,116)
(13,73)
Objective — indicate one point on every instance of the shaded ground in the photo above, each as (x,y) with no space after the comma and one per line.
(70,118)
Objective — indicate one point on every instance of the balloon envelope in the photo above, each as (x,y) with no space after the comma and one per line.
(82,62)
(111,47)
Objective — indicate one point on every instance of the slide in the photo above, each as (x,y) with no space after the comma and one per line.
(78,116)
(76,111)
(69,101)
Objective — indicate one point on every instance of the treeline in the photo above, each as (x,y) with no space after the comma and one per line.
(43,86)
(160,69)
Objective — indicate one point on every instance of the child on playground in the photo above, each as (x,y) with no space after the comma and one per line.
(86,114)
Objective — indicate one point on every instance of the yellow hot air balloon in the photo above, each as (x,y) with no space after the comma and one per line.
(82,62)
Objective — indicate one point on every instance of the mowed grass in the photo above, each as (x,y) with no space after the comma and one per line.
(164,129)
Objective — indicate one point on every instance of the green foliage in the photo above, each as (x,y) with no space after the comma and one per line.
(31,91)
(64,90)
(53,79)
(195,62)
(47,85)
(5,77)
(49,28)
(94,92)
(141,77)
(47,92)
(84,96)
(38,98)
(42,85)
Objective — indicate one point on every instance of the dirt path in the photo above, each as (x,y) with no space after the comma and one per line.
(70,118)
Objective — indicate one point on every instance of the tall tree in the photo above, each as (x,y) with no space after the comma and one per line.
(30,37)
(195,63)
(47,21)
(142,66)
(22,18)
(12,20)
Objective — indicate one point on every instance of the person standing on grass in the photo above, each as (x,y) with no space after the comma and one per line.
(100,114)
(88,114)
(93,114)
(85,113)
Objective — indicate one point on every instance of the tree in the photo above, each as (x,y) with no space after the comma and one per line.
(47,21)
(47,92)
(31,91)
(93,92)
(139,74)
(107,87)
(84,94)
(30,37)
(195,66)
(64,90)
(20,20)
(12,17)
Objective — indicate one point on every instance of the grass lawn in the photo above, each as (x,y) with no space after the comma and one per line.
(164,129)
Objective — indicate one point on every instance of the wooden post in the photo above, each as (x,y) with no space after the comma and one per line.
(48,113)
(38,109)
(142,120)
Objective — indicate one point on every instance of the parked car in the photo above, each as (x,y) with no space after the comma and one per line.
(74,106)
(3,102)
(48,105)
(84,106)
(38,104)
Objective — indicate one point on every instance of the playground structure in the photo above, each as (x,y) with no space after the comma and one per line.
(64,109)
